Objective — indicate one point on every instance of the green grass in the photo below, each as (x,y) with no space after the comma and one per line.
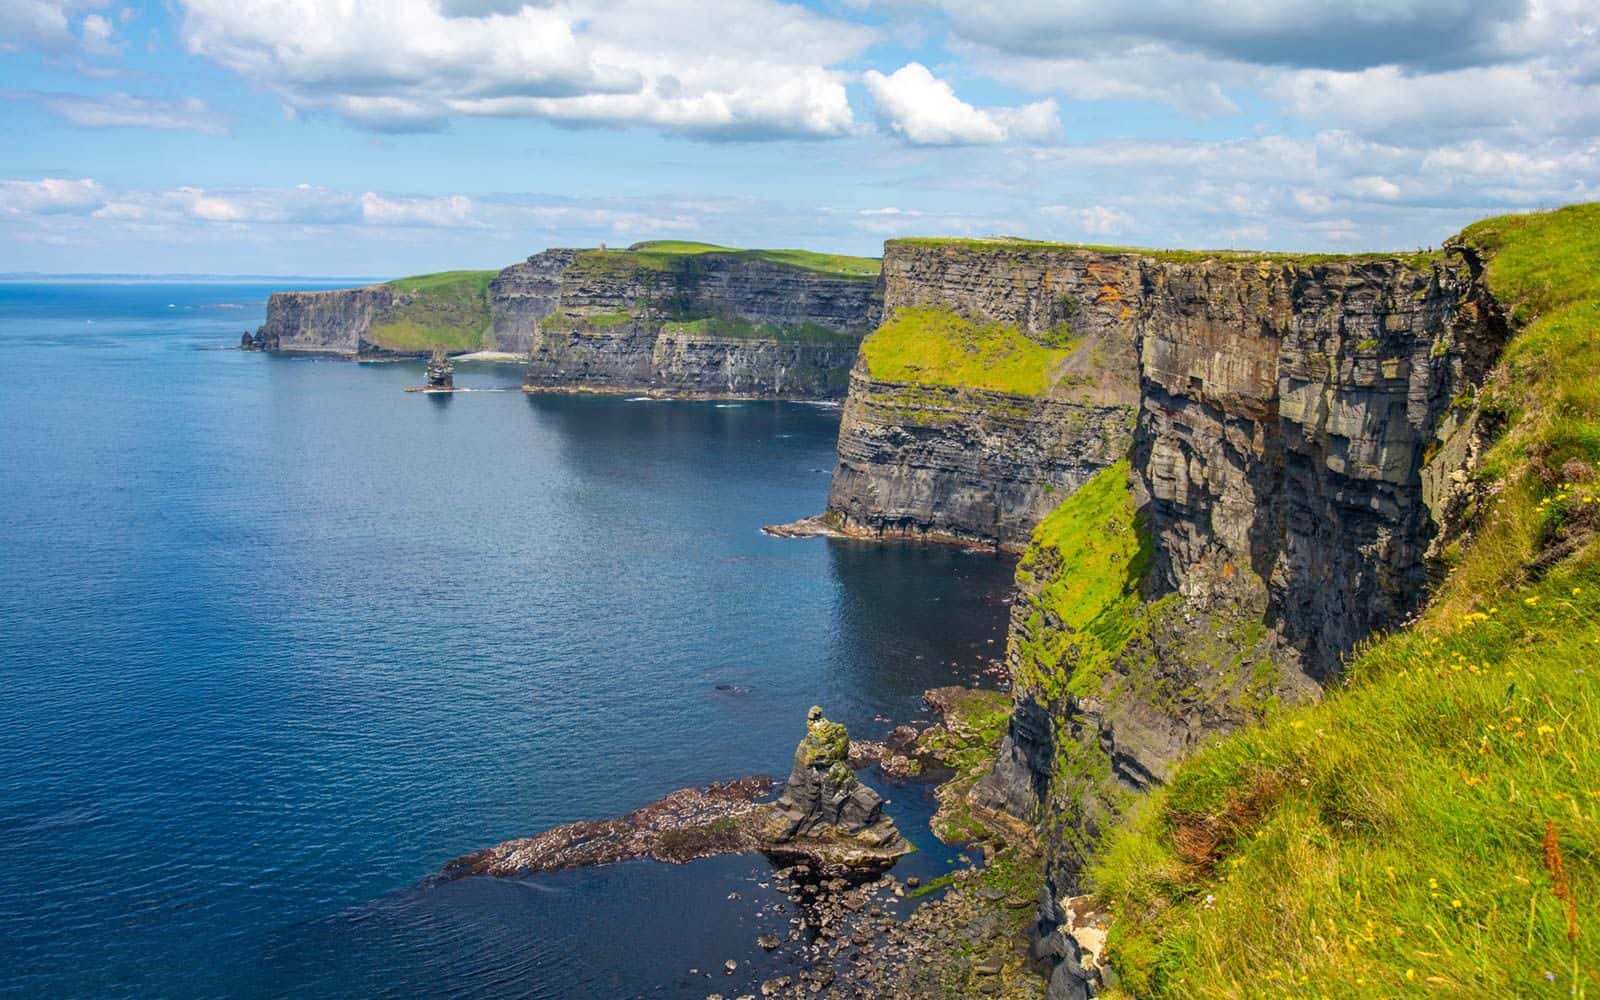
(666,255)
(1081,577)
(1390,841)
(1008,244)
(738,328)
(449,310)
(929,345)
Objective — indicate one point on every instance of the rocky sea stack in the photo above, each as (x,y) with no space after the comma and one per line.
(441,374)
(825,813)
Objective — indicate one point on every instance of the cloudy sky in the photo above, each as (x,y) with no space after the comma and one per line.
(384,137)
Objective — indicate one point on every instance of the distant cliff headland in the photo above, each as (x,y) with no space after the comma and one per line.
(673,317)
(1307,579)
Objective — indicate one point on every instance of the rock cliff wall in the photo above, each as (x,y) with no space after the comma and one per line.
(674,318)
(706,323)
(411,317)
(331,322)
(1299,426)
(963,446)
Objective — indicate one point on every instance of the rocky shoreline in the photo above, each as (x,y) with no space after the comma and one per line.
(839,923)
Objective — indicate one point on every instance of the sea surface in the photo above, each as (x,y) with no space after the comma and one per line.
(278,639)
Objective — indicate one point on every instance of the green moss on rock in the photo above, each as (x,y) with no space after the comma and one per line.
(931,345)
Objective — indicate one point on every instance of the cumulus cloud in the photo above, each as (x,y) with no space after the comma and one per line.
(58,27)
(718,69)
(126,111)
(1432,68)
(925,111)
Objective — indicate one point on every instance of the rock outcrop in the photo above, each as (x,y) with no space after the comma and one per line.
(440,375)
(823,800)
(824,818)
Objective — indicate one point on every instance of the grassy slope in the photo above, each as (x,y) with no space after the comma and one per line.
(660,254)
(927,345)
(1392,840)
(449,310)
(1094,603)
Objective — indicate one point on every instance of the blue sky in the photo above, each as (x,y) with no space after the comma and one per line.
(398,136)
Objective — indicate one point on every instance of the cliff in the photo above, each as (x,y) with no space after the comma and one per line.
(408,317)
(1379,842)
(688,319)
(1001,380)
(679,318)
(1273,513)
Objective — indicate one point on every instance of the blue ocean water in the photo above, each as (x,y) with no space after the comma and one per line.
(278,639)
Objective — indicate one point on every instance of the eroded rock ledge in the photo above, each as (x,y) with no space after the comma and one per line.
(824,817)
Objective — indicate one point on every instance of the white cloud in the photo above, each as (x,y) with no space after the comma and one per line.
(126,111)
(925,111)
(718,69)
(1430,70)
(452,211)
(1099,220)
(58,27)
(50,196)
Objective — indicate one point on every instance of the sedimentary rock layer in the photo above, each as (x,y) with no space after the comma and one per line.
(708,323)
(1300,424)
(933,457)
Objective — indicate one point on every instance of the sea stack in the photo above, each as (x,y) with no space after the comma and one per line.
(825,813)
(441,375)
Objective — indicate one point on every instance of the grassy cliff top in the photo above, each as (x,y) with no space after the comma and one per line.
(1012,244)
(455,284)
(928,345)
(449,310)
(666,254)
(1431,828)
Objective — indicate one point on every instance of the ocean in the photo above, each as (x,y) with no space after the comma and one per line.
(278,640)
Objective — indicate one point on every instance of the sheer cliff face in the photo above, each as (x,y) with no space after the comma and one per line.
(695,323)
(707,323)
(937,456)
(1296,432)
(1285,418)
(332,322)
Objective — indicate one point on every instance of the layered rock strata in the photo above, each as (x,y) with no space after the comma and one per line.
(943,455)
(712,323)
(696,321)
(1300,425)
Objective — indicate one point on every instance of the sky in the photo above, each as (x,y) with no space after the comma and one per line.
(388,137)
